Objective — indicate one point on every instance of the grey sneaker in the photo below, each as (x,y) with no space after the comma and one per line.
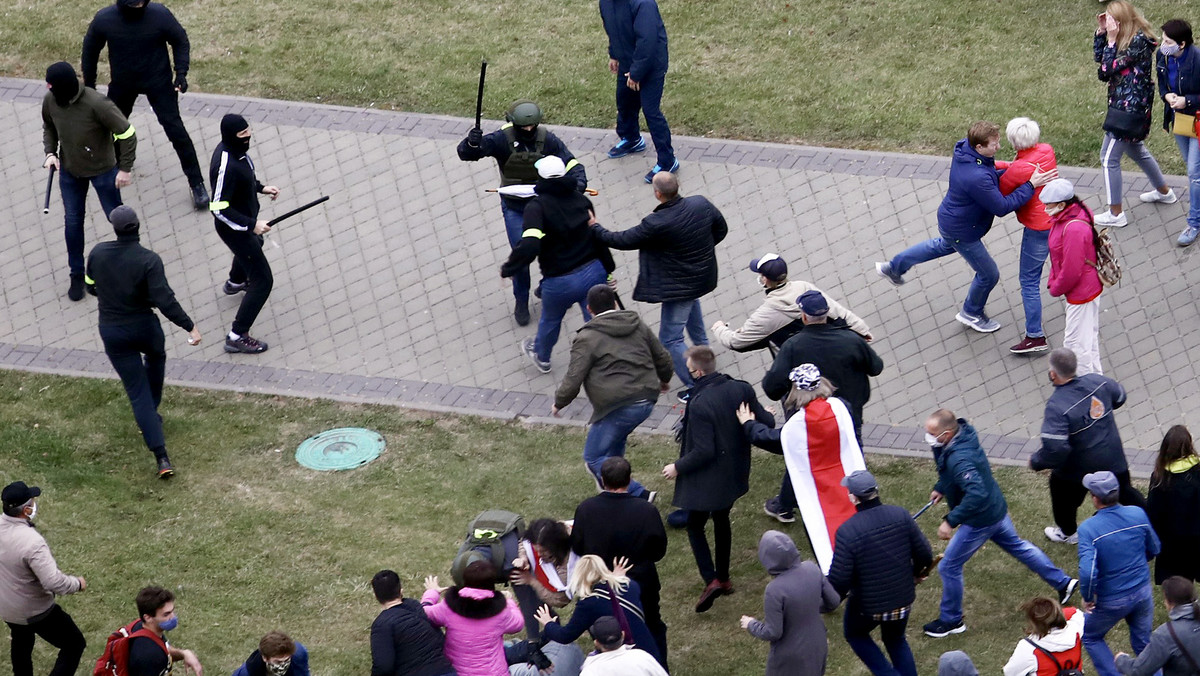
(885,271)
(231,289)
(980,324)
(1188,236)
(527,350)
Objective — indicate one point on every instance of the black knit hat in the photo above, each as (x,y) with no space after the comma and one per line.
(124,220)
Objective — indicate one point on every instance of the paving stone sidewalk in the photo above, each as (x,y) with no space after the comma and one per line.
(391,291)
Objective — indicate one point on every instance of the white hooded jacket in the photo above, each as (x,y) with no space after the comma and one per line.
(1024,660)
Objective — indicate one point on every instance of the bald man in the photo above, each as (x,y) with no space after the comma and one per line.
(677,262)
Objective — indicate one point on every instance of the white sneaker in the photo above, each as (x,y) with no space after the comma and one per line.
(1055,534)
(1156,196)
(1106,219)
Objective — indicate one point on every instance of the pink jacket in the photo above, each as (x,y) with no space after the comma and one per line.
(474,646)
(1071,247)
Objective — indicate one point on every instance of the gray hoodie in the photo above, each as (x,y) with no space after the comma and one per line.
(1163,652)
(618,360)
(792,605)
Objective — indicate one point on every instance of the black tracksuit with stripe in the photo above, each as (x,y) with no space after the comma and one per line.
(235,191)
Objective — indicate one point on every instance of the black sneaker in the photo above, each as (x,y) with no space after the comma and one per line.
(1066,592)
(245,345)
(537,291)
(165,469)
(678,518)
(76,291)
(528,351)
(939,629)
(232,289)
(521,313)
(684,395)
(772,507)
(199,197)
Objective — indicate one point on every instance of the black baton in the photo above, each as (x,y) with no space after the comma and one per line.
(297,210)
(479,97)
(49,184)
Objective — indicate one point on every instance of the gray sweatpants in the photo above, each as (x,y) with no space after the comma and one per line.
(1110,159)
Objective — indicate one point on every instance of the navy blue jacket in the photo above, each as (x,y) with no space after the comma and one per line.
(974,198)
(876,554)
(965,479)
(677,255)
(1079,432)
(1115,547)
(1187,85)
(637,38)
(599,604)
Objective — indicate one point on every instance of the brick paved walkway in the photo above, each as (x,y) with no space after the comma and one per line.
(391,293)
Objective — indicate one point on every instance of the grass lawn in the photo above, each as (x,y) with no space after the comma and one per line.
(250,541)
(875,74)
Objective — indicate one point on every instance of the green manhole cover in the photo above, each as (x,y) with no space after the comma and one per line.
(342,448)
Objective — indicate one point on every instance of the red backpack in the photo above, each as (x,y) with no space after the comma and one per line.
(115,660)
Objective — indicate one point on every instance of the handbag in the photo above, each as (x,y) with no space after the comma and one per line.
(1126,124)
(1185,124)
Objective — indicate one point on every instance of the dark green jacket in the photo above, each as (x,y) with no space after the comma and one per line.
(965,478)
(82,134)
(618,361)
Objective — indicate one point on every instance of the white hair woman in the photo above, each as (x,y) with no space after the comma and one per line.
(1025,136)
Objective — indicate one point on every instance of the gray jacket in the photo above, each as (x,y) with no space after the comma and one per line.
(1163,652)
(29,577)
(792,605)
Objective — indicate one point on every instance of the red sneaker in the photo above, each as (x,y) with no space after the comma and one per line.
(1030,345)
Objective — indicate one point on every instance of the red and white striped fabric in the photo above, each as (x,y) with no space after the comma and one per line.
(820,449)
(542,570)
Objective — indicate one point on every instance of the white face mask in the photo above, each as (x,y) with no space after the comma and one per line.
(33,511)
(933,441)
(1056,210)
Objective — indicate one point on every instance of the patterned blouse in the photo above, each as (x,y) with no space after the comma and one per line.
(1129,74)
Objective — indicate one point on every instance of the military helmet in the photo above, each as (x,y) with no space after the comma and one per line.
(523,113)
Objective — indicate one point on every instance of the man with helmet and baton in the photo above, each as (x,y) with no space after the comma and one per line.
(516,146)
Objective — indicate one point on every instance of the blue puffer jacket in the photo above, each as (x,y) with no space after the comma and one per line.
(1115,547)
(876,553)
(677,257)
(965,479)
(637,38)
(974,197)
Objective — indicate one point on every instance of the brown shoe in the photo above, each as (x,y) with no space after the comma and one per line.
(710,594)
(1030,345)
(727,587)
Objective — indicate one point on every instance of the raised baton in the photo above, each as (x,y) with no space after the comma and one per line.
(297,210)
(49,183)
(479,98)
(922,510)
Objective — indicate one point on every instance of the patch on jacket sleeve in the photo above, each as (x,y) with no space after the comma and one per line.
(1097,409)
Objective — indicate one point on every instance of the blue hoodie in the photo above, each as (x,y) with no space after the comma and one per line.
(637,38)
(974,197)
(965,478)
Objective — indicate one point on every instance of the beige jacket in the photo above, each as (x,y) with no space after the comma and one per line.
(29,577)
(777,311)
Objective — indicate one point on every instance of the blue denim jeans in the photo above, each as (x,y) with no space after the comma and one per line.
(648,100)
(74,196)
(514,225)
(1137,609)
(1035,247)
(676,316)
(558,295)
(857,627)
(967,540)
(987,275)
(606,438)
(1190,149)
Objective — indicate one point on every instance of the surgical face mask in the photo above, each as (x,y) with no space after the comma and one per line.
(1169,50)
(933,440)
(169,624)
(1056,210)
(32,511)
(279,668)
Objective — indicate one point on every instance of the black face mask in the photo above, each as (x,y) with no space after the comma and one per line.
(129,12)
(64,84)
(232,125)
(239,145)
(526,137)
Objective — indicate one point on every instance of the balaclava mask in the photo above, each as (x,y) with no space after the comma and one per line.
(64,83)
(128,9)
(231,124)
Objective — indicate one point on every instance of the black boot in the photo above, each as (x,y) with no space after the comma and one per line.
(76,290)
(200,197)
